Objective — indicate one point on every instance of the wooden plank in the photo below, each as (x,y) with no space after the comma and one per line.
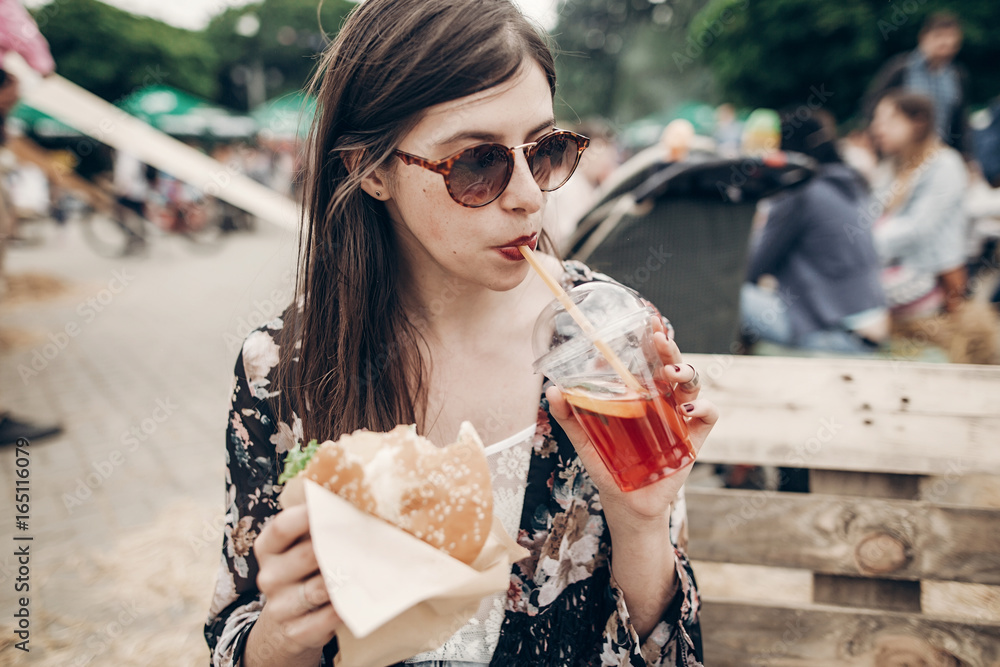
(958,600)
(938,599)
(854,592)
(874,593)
(753,582)
(796,438)
(892,539)
(738,634)
(875,416)
(884,385)
(973,490)
(872,485)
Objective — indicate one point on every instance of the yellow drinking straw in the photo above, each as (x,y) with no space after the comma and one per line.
(582,321)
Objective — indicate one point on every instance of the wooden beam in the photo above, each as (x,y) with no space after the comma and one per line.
(853,592)
(741,634)
(884,553)
(845,414)
(871,485)
(778,585)
(860,537)
(973,490)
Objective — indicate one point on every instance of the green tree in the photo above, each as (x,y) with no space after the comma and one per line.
(112,53)
(615,58)
(284,39)
(781,52)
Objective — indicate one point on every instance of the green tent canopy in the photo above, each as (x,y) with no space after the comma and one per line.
(181,114)
(31,120)
(699,114)
(646,131)
(287,116)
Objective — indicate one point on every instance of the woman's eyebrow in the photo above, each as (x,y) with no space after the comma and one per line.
(551,122)
(491,137)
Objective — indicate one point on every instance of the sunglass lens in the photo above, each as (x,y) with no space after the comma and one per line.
(479,174)
(554,160)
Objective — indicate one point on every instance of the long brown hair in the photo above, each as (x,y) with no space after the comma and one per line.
(351,359)
(918,109)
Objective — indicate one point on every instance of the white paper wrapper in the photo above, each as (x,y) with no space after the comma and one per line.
(397,595)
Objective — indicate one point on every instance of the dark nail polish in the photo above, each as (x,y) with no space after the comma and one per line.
(688,407)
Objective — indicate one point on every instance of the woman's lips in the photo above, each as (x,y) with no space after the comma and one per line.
(512,253)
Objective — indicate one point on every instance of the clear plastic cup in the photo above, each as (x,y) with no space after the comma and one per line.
(640,435)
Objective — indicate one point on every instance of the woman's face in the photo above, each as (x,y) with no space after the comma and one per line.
(891,130)
(439,235)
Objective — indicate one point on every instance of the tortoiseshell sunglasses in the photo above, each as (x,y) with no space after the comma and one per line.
(477,176)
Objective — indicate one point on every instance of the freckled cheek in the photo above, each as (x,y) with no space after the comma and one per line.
(436,231)
(417,204)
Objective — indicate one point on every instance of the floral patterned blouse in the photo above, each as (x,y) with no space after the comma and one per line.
(563,606)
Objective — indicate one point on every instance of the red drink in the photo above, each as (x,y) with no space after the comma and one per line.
(641,438)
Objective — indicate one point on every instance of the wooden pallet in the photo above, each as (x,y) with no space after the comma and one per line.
(893,558)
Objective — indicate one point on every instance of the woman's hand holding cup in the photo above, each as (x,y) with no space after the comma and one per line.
(653,501)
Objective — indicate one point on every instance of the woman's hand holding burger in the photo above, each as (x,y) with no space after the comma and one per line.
(442,496)
(298,619)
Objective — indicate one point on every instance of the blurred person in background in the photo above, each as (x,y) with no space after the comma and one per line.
(131,186)
(677,140)
(858,151)
(828,295)
(18,33)
(571,202)
(985,133)
(761,133)
(236,157)
(728,131)
(8,99)
(930,69)
(921,234)
(923,238)
(29,191)
(982,205)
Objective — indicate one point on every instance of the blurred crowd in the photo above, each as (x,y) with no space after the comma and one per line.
(894,235)
(154,194)
(37,191)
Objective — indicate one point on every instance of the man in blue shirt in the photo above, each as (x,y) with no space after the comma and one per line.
(930,69)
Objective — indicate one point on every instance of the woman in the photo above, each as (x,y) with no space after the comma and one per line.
(921,235)
(413,307)
(828,296)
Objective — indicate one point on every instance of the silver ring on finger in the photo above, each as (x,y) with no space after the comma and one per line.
(691,385)
(306,604)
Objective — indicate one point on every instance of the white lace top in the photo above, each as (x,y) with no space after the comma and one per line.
(476,640)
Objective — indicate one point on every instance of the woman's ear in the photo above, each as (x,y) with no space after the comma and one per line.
(375,185)
(372,183)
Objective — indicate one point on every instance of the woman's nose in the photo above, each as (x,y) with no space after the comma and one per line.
(523,192)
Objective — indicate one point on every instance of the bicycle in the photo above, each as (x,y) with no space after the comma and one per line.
(114,229)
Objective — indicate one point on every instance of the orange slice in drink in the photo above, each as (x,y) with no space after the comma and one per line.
(627,407)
